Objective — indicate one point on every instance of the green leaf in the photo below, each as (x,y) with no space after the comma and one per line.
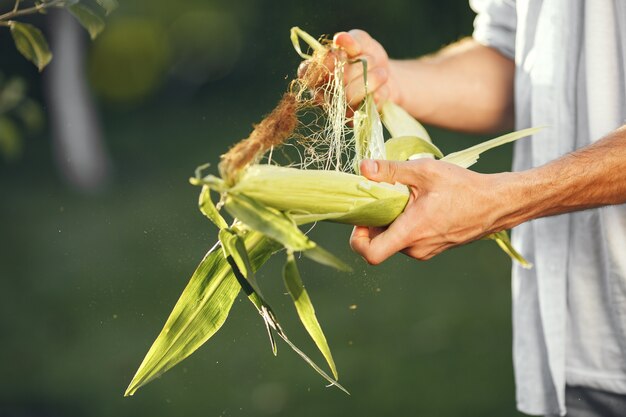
(296,33)
(308,360)
(368,132)
(269,318)
(31,43)
(237,256)
(200,311)
(400,123)
(272,323)
(235,248)
(269,221)
(280,227)
(208,208)
(376,143)
(401,148)
(305,309)
(322,256)
(89,17)
(257,301)
(502,239)
(469,156)
(213,182)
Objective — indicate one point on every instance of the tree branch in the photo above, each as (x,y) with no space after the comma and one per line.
(29,10)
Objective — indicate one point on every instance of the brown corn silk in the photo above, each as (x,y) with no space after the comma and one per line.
(272,131)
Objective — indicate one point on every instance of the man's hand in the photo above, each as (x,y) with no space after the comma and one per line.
(448,206)
(466,86)
(381,81)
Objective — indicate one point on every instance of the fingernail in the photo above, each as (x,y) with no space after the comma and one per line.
(371,166)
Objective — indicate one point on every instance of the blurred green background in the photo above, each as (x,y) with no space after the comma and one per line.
(87,278)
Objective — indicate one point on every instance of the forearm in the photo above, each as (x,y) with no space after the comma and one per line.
(465,87)
(589,177)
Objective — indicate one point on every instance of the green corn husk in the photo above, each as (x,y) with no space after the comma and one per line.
(315,195)
(267,203)
(200,311)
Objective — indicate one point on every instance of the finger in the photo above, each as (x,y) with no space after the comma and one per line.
(364,40)
(424,253)
(349,116)
(375,231)
(348,43)
(359,239)
(354,71)
(381,96)
(356,89)
(390,241)
(303,67)
(391,171)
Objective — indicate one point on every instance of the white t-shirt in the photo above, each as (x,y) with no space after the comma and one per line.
(569,311)
(594,346)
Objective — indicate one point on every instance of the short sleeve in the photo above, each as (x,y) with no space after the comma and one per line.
(495,24)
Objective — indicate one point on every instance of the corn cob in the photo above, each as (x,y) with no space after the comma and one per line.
(268,202)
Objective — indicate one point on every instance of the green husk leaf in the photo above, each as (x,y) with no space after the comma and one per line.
(306,312)
(296,33)
(322,256)
(200,311)
(400,123)
(310,362)
(208,208)
(237,257)
(213,182)
(368,132)
(88,17)
(316,195)
(269,221)
(279,227)
(234,247)
(269,317)
(469,156)
(376,143)
(272,324)
(401,148)
(502,239)
(257,301)
(31,43)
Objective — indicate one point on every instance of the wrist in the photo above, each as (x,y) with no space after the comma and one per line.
(396,93)
(516,199)
(408,85)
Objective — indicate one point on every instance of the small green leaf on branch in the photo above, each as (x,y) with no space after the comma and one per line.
(31,43)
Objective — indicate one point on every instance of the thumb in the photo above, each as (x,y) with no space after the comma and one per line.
(388,171)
